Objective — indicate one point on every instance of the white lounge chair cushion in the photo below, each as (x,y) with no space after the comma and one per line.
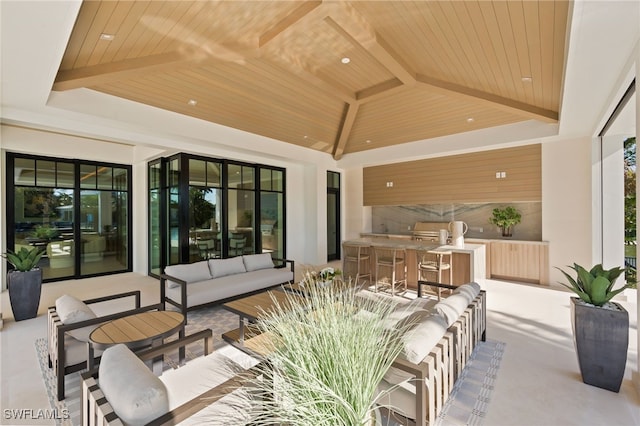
(201,374)
(191,273)
(419,341)
(255,262)
(135,393)
(70,311)
(223,267)
(452,307)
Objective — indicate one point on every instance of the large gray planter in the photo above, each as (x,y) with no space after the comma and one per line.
(24,293)
(601,337)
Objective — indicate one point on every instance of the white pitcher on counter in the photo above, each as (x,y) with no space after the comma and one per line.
(458,228)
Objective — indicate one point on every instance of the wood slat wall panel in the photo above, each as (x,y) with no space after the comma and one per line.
(458,179)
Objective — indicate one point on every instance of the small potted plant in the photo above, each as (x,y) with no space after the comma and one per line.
(600,326)
(24,282)
(506,218)
(323,277)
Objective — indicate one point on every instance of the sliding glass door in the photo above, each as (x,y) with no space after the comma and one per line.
(76,212)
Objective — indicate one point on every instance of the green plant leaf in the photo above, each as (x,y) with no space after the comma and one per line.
(599,290)
(613,293)
(584,278)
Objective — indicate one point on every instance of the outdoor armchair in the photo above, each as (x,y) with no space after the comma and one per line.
(67,343)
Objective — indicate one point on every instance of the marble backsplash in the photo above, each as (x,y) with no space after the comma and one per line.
(400,219)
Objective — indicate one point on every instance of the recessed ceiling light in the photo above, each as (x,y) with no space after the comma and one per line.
(527,79)
(192,102)
(107,37)
(470,120)
(345,60)
(368,141)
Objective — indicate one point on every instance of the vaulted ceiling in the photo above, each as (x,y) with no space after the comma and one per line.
(416,69)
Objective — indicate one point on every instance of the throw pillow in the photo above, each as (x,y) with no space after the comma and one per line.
(135,393)
(470,290)
(70,311)
(255,262)
(223,267)
(191,273)
(452,307)
(419,341)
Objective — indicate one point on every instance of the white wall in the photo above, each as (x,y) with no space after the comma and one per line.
(354,213)
(567,203)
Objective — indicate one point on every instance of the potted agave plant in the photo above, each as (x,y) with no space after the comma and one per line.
(24,282)
(600,326)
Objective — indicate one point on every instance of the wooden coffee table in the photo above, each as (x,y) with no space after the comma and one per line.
(136,331)
(249,310)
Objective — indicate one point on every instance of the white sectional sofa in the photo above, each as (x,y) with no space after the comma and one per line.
(435,353)
(188,286)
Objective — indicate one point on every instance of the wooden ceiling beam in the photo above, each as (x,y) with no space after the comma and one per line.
(383,89)
(137,67)
(491,100)
(105,73)
(309,11)
(350,24)
(307,14)
(345,130)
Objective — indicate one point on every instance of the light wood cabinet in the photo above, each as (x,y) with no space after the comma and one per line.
(520,261)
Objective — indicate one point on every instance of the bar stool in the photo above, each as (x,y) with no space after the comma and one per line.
(357,254)
(434,262)
(392,259)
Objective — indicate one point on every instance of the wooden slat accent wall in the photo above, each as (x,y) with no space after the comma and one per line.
(465,178)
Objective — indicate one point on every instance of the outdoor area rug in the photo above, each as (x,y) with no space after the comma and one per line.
(467,404)
(469,399)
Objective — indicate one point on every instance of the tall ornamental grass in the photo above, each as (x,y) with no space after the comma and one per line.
(328,352)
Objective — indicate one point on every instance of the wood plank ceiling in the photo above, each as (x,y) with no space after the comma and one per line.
(417,70)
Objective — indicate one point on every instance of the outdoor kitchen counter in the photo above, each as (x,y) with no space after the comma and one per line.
(469,262)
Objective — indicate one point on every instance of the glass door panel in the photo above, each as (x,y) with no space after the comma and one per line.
(241,210)
(271,221)
(44,219)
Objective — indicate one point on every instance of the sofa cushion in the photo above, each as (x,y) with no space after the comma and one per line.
(452,307)
(223,267)
(470,290)
(135,393)
(231,285)
(255,262)
(70,311)
(396,376)
(419,341)
(191,273)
